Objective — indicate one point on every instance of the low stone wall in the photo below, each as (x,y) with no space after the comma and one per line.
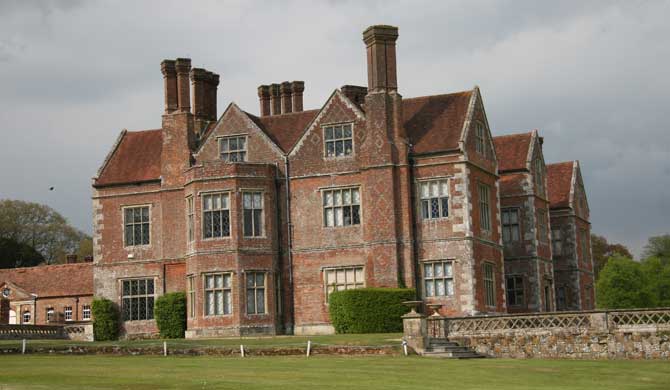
(73,331)
(616,334)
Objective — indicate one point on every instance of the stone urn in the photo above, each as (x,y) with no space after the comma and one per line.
(435,307)
(413,306)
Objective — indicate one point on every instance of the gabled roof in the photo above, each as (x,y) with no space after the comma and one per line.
(512,151)
(559,177)
(135,158)
(52,280)
(435,123)
(512,184)
(285,129)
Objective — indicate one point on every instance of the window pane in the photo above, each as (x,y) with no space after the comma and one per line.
(346,197)
(330,217)
(209,297)
(434,208)
(348,147)
(248,223)
(218,302)
(257,200)
(424,190)
(329,133)
(425,209)
(359,275)
(448,269)
(434,189)
(428,270)
(439,287)
(444,188)
(338,131)
(338,216)
(226,280)
(438,270)
(257,222)
(260,279)
(330,149)
(251,279)
(347,131)
(430,288)
(227,302)
(450,286)
(251,302)
(260,301)
(347,216)
(339,148)
(355,196)
(328,198)
(247,200)
(338,198)
(445,207)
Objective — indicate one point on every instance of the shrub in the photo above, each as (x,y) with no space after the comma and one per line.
(369,310)
(170,314)
(105,320)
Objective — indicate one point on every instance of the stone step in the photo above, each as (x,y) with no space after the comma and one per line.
(432,348)
(454,355)
(442,342)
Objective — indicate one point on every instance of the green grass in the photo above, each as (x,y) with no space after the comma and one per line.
(251,342)
(324,372)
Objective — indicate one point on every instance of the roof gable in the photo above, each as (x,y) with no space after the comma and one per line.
(560,180)
(285,129)
(436,123)
(513,151)
(135,158)
(52,280)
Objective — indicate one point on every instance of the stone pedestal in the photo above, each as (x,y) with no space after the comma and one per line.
(414,331)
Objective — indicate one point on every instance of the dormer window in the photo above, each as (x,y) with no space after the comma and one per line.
(339,141)
(233,149)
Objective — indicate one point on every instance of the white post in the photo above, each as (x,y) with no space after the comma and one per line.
(309,347)
(23,347)
(404,347)
(242,350)
(164,348)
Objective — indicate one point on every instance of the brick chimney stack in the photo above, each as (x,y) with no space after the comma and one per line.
(264,99)
(169,85)
(275,101)
(355,93)
(380,42)
(200,84)
(183,66)
(213,90)
(297,88)
(286,95)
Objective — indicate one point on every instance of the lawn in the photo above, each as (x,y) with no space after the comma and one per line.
(249,342)
(324,372)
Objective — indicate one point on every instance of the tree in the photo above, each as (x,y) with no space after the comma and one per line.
(658,277)
(623,284)
(603,250)
(14,254)
(659,247)
(39,227)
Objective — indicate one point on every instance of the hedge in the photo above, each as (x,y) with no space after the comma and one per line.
(369,310)
(105,320)
(170,315)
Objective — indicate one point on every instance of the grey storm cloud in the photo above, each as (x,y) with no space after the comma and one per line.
(591,76)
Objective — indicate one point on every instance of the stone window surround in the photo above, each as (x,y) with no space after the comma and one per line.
(322,191)
(262,191)
(202,195)
(265,273)
(452,277)
(245,150)
(191,304)
(420,181)
(503,210)
(353,142)
(120,281)
(492,281)
(123,224)
(517,288)
(484,219)
(204,276)
(325,269)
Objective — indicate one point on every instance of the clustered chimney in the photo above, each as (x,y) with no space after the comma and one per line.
(380,44)
(284,98)
(70,259)
(177,88)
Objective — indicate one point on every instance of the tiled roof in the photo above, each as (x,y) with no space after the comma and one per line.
(435,123)
(285,129)
(512,151)
(559,177)
(52,280)
(137,158)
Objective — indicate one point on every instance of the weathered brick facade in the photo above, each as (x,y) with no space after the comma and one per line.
(372,189)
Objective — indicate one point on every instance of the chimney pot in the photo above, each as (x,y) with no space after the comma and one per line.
(214,85)
(286,95)
(297,88)
(355,93)
(169,85)
(275,102)
(380,42)
(264,99)
(183,66)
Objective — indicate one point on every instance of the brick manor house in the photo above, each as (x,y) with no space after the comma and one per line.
(258,218)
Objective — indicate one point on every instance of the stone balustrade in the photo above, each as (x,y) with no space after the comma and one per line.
(80,331)
(611,334)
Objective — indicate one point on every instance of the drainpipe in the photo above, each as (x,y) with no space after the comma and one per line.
(414,242)
(289,235)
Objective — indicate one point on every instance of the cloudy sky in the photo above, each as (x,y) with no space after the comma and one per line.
(592,76)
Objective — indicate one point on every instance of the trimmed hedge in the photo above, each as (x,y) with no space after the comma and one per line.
(170,315)
(369,310)
(105,320)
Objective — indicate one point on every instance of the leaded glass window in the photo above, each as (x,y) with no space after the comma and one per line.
(252,203)
(136,222)
(343,278)
(342,207)
(233,149)
(438,279)
(216,215)
(510,225)
(218,295)
(489,285)
(515,291)
(339,140)
(434,199)
(255,292)
(138,299)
